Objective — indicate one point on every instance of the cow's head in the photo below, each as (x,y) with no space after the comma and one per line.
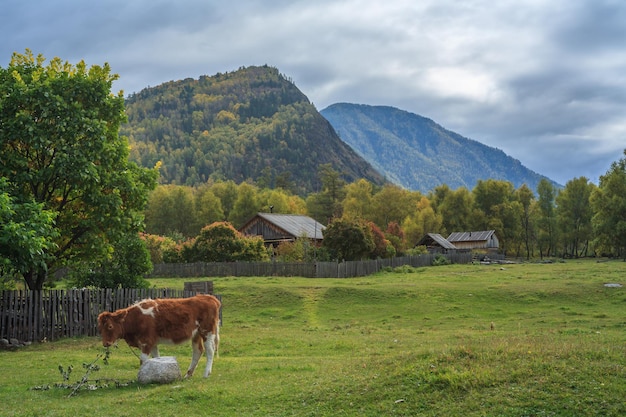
(111,327)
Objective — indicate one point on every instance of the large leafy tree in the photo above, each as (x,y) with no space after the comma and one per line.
(527,215)
(280,201)
(171,210)
(496,208)
(349,240)
(454,207)
(227,192)
(125,268)
(60,149)
(208,207)
(423,220)
(546,222)
(573,212)
(393,204)
(246,205)
(358,201)
(609,207)
(383,247)
(327,204)
(489,197)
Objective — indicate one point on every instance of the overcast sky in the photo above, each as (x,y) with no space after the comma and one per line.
(542,80)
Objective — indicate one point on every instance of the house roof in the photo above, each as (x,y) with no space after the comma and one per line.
(295,225)
(480,236)
(430,238)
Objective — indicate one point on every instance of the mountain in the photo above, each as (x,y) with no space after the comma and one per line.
(418,154)
(250,124)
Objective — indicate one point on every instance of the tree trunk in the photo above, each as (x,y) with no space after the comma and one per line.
(35,278)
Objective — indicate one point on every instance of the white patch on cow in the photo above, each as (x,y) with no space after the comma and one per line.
(145,310)
(195,331)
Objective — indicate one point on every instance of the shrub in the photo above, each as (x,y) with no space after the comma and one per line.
(404,269)
(221,242)
(440,260)
(418,250)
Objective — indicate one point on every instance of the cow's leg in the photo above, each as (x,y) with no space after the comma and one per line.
(210,345)
(145,354)
(196,345)
(155,351)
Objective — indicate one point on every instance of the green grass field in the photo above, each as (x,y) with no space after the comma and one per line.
(410,343)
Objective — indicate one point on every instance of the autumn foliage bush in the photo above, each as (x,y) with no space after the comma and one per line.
(217,242)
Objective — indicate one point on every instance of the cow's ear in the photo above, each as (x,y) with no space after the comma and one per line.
(122,316)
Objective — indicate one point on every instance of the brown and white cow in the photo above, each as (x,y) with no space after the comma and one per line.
(147,323)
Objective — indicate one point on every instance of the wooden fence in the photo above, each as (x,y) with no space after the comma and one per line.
(344,269)
(233,269)
(54,314)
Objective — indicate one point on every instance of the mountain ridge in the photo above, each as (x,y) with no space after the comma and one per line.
(252,124)
(417,153)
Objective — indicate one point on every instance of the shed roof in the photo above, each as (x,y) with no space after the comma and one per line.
(430,238)
(295,225)
(480,236)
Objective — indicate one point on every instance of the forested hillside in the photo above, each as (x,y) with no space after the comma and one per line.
(250,124)
(417,153)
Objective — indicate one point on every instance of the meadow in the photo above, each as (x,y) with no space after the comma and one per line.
(524,339)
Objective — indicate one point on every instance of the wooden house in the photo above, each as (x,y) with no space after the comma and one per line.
(277,228)
(485,240)
(435,243)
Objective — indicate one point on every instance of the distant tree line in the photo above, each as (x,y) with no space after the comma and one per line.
(369,221)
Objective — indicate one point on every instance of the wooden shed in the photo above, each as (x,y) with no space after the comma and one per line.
(277,228)
(435,243)
(475,240)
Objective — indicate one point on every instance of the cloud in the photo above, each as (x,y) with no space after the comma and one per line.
(543,81)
